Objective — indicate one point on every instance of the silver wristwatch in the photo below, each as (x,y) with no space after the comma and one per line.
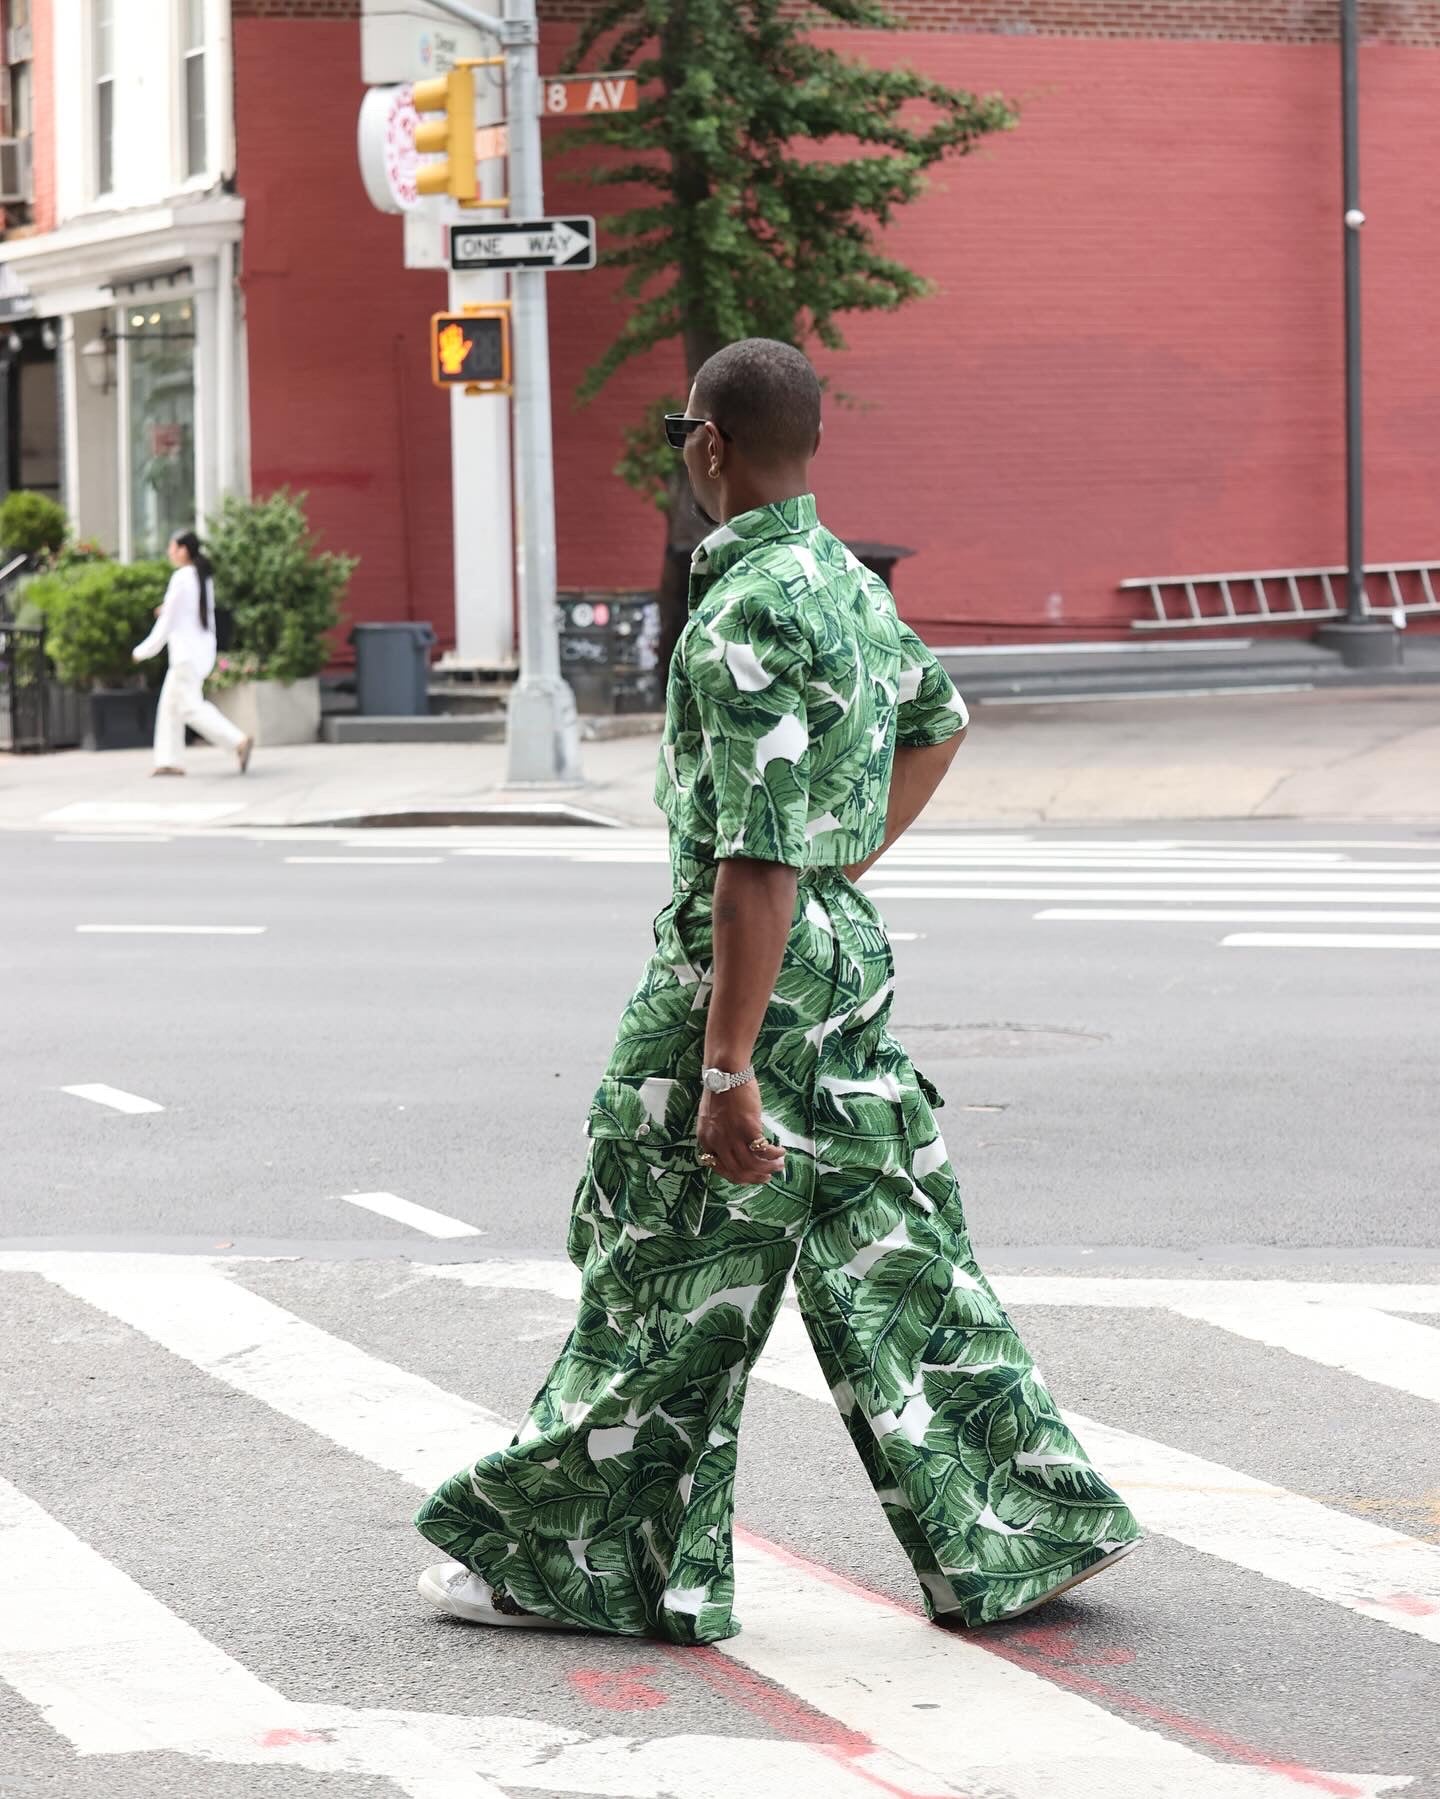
(716,1080)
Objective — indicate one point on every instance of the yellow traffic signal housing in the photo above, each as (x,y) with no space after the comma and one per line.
(451,135)
(471,349)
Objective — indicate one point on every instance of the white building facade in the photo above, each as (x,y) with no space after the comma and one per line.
(139,273)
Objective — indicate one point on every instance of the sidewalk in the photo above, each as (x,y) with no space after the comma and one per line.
(1361,754)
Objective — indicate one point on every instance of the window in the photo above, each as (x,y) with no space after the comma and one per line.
(103,53)
(193,50)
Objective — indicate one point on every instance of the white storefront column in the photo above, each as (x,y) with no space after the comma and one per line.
(208,326)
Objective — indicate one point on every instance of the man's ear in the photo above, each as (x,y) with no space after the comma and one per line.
(819,434)
(714,447)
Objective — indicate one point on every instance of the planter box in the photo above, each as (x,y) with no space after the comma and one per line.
(64,717)
(120,718)
(274,712)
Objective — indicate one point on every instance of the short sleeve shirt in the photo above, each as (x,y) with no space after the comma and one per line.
(792,684)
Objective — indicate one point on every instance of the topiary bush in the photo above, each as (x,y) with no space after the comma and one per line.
(283,591)
(95,613)
(31,524)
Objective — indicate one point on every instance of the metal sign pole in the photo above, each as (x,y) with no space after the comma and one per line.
(542,736)
(1362,640)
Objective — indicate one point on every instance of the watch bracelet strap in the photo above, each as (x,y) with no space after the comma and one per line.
(740,1078)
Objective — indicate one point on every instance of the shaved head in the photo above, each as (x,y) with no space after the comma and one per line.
(765,396)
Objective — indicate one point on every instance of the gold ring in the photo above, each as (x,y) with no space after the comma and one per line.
(760,1143)
(706,1160)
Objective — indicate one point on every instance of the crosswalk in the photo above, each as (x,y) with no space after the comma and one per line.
(1347,894)
(834,1687)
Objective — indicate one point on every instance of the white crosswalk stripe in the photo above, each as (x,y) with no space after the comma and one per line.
(1076,881)
(138,1677)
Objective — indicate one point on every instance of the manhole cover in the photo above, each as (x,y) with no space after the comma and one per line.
(952,1042)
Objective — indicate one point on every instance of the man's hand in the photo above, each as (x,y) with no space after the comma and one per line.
(728,1124)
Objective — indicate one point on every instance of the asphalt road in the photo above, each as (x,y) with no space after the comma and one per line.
(227,1437)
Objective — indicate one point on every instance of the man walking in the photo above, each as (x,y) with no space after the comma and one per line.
(757,1123)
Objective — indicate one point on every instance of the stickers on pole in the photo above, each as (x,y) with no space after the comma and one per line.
(524,244)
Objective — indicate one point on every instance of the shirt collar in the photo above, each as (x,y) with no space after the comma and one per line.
(727,544)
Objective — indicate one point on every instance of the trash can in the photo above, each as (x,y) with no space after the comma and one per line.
(880,558)
(392,669)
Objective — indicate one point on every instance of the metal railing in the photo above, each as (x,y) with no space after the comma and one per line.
(1284,596)
(24,688)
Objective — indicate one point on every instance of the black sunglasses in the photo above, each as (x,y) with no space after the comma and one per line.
(678,428)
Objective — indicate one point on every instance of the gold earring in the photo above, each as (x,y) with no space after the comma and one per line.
(714,470)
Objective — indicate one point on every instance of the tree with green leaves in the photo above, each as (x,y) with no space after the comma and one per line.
(772,164)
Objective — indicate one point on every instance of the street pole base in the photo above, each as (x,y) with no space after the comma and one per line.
(542,735)
(1369,644)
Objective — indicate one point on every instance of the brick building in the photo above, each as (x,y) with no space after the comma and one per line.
(1131,364)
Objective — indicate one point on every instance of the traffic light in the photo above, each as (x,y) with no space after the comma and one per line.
(450,135)
(472,349)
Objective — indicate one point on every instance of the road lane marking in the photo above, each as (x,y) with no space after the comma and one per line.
(171,930)
(1319,880)
(1171,895)
(1391,1352)
(1328,940)
(114,1097)
(364,861)
(113,837)
(115,1671)
(405,1211)
(1018,1726)
(1212,915)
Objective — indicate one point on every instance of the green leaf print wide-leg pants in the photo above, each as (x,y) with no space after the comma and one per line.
(613,1507)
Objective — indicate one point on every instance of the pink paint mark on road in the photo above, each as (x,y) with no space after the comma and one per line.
(1411,1604)
(618,1692)
(282,1739)
(1113,1697)
(1056,1642)
(790,1717)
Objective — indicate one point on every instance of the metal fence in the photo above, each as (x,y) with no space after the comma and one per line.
(24,688)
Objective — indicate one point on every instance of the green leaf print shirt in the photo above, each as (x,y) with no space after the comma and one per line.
(792,683)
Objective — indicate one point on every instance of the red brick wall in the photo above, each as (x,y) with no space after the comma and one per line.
(341,404)
(1132,364)
(1258,21)
(42,43)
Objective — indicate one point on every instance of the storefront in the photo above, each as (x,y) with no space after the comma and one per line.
(146,319)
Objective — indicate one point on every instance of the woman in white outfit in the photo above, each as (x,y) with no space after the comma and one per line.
(185,627)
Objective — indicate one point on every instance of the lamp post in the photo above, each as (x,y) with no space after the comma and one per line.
(1361,640)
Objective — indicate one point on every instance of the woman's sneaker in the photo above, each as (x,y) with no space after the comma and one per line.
(454,1589)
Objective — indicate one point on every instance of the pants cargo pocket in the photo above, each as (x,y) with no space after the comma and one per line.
(642,1169)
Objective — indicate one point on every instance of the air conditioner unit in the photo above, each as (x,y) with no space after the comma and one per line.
(15,170)
(17,44)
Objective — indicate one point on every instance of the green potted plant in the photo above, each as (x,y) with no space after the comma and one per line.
(32,524)
(282,594)
(94,613)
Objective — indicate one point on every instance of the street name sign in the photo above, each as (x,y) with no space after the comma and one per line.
(524,244)
(573,96)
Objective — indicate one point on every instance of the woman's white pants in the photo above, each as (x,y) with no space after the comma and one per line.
(183,702)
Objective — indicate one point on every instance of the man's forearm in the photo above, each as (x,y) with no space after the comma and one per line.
(752,911)
(916,775)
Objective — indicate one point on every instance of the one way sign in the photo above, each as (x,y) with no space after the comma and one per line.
(524,244)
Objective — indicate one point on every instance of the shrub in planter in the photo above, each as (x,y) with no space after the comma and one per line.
(32,524)
(281,589)
(95,613)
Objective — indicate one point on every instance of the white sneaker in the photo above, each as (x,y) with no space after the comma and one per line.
(454,1589)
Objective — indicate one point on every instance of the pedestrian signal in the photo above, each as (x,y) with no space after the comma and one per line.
(448,138)
(472,349)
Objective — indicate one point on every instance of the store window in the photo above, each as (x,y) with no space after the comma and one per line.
(160,339)
(103,57)
(193,80)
